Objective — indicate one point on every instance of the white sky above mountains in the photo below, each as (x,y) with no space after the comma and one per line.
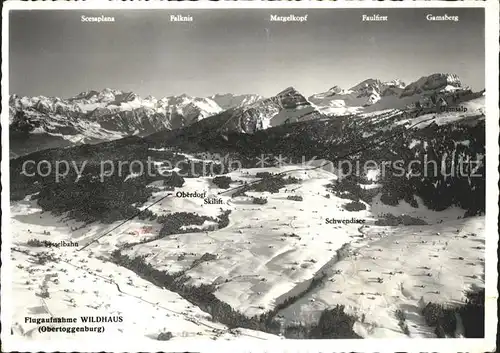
(54,53)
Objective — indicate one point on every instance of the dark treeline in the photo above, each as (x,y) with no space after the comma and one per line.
(444,320)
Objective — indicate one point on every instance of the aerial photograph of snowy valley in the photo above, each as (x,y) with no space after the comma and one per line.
(262,174)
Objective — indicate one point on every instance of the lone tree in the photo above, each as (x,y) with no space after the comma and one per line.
(259,200)
(334,323)
(165,336)
(174,180)
(222,181)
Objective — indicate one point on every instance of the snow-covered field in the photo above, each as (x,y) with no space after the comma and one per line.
(417,265)
(267,253)
(80,283)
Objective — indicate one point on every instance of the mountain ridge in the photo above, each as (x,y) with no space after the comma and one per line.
(95,116)
(374,94)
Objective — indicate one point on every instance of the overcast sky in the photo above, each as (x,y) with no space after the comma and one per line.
(53,53)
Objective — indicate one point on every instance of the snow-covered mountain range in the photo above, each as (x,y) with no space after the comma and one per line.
(113,110)
(373,95)
(94,116)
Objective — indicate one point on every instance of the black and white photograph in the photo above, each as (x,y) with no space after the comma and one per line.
(219,177)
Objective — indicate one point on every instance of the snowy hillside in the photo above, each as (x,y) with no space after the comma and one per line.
(61,282)
(294,246)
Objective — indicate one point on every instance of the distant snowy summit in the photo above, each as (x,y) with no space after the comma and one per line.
(229,100)
(434,82)
(288,106)
(374,94)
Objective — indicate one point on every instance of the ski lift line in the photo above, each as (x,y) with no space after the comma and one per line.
(329,162)
(46,307)
(125,221)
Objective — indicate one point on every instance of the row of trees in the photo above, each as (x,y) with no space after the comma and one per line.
(443,318)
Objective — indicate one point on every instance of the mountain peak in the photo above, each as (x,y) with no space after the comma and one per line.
(111,90)
(395,83)
(229,100)
(434,82)
(288,90)
(335,89)
(371,82)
